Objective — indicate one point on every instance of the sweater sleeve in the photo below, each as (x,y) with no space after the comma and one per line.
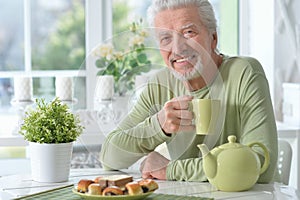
(186,170)
(137,135)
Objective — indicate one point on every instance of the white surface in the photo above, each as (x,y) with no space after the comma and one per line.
(20,185)
(14,166)
(291,104)
(292,135)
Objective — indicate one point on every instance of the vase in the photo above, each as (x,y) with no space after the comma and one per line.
(50,162)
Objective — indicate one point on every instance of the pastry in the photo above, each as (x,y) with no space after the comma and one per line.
(118,180)
(102,181)
(83,185)
(95,189)
(98,178)
(148,185)
(133,188)
(112,190)
(115,185)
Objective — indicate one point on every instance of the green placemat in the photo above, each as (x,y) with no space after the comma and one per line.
(67,194)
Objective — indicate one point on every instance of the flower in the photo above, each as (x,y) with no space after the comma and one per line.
(124,65)
(136,40)
(105,50)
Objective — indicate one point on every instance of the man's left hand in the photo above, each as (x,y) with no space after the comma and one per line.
(154,166)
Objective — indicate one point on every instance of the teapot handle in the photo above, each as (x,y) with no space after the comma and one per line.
(266,155)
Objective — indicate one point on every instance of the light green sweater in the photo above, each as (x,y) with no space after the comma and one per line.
(248,115)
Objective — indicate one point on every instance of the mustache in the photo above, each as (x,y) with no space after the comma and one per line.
(181,58)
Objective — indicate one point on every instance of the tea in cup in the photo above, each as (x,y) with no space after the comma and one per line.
(206,112)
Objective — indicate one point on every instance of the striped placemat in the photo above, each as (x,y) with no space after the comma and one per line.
(67,194)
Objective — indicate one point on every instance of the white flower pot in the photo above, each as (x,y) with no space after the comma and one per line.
(50,162)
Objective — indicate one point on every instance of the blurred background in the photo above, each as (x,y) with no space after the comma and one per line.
(43,39)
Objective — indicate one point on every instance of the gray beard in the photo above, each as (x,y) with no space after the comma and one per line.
(196,72)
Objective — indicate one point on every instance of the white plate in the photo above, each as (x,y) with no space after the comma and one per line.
(118,197)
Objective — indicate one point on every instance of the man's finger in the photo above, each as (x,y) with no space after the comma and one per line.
(187,128)
(183,98)
(184,114)
(147,175)
(181,103)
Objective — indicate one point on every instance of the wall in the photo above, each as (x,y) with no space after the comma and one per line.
(267,32)
(287,51)
(256,37)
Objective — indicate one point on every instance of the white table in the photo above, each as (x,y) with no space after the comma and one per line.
(21,184)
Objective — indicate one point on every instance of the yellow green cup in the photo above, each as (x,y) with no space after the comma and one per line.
(206,112)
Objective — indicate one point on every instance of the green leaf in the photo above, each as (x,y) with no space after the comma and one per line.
(101,72)
(100,63)
(138,70)
(51,123)
(111,66)
(142,57)
(133,63)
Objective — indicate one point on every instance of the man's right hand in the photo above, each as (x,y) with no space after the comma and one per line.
(175,116)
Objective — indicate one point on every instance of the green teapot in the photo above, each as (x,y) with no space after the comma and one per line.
(233,167)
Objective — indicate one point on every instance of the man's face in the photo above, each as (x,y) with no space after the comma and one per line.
(185,43)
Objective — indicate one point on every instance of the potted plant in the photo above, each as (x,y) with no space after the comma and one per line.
(50,129)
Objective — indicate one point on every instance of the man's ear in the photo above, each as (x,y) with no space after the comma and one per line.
(214,42)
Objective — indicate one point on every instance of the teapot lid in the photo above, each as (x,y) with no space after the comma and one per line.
(231,143)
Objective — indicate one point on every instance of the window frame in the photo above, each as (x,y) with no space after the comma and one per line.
(98,14)
(250,40)
(95,35)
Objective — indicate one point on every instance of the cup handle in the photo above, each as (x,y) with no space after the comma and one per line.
(266,155)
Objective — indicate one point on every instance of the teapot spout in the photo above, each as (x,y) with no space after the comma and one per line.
(209,161)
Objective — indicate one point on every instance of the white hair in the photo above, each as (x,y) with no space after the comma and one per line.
(205,10)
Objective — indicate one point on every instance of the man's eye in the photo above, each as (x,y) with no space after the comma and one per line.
(189,34)
(165,40)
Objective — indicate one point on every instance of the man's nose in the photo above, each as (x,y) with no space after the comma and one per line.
(179,44)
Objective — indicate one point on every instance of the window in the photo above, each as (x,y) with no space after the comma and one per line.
(41,39)
(227,14)
(11,42)
(125,12)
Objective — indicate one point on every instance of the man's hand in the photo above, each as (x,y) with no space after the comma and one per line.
(154,166)
(175,116)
